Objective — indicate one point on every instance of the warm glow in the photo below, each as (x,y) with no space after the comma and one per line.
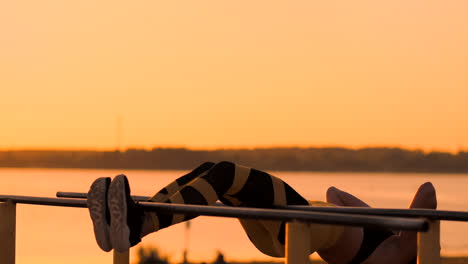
(206,74)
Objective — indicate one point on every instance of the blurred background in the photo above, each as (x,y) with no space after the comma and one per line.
(369,96)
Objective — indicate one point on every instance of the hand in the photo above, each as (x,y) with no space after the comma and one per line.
(402,247)
(397,249)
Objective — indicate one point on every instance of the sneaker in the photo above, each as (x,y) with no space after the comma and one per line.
(126,216)
(97,205)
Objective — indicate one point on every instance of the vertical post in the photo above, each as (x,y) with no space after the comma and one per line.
(121,258)
(297,242)
(7,232)
(429,244)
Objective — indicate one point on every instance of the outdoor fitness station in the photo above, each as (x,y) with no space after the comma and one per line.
(424,221)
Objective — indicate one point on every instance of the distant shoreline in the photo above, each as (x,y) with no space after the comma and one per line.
(364,160)
(297,171)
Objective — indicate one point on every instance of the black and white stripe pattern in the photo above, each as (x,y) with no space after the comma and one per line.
(233,185)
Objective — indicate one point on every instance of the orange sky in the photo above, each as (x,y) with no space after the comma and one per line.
(205,74)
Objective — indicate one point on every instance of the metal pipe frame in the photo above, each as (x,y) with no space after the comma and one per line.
(413,213)
(397,223)
(299,219)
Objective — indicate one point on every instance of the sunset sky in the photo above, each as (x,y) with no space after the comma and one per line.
(209,74)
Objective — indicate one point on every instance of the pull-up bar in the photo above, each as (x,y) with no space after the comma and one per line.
(298,236)
(426,213)
(243,212)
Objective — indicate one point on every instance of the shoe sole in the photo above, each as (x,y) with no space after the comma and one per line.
(97,205)
(117,203)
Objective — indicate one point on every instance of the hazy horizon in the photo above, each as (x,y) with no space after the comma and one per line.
(214,148)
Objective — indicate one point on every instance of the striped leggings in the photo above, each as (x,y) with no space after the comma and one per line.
(236,185)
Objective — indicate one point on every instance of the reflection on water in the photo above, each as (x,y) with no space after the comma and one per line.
(64,235)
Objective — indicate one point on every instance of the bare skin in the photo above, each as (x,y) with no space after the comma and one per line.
(350,241)
(397,249)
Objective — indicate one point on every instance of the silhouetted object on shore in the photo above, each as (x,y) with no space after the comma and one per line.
(220,259)
(186,246)
(151,256)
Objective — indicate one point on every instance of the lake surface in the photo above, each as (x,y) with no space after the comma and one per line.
(64,235)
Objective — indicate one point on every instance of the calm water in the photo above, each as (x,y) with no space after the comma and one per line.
(63,235)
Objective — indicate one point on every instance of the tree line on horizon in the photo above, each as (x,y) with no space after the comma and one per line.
(284,159)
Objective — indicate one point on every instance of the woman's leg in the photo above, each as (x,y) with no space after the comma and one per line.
(237,185)
(232,184)
(175,186)
(152,222)
(129,221)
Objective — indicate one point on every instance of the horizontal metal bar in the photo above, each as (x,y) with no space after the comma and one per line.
(44,201)
(85,196)
(290,215)
(426,213)
(251,213)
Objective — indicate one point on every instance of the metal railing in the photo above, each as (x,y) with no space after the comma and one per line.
(299,218)
(414,213)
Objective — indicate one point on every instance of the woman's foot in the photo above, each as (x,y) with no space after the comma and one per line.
(97,205)
(126,216)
